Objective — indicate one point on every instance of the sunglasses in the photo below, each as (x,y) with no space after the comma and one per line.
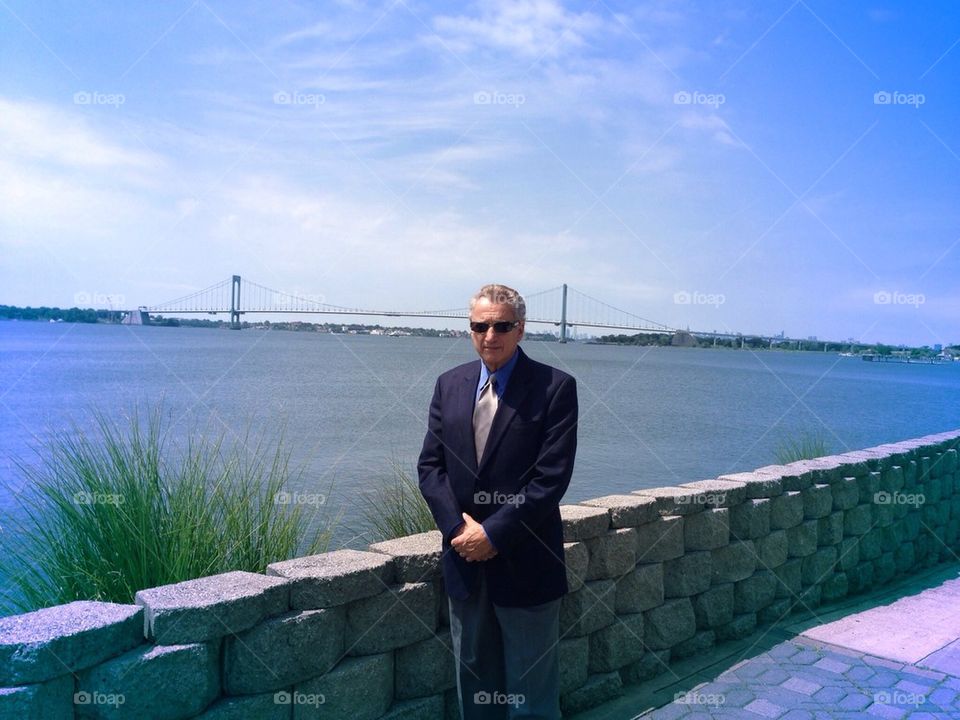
(504,326)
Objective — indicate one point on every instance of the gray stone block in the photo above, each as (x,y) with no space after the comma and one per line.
(611,554)
(674,500)
(835,588)
(671,623)
(755,592)
(402,615)
(334,578)
(425,668)
(802,538)
(162,681)
(759,484)
(626,510)
(870,545)
(51,700)
(798,476)
(858,520)
(718,493)
(416,558)
(848,553)
(652,664)
(817,501)
(660,540)
(588,609)
(617,645)
(699,643)
(869,485)
(574,659)
(283,650)
(772,549)
(577,561)
(816,568)
(775,612)
(429,708)
(358,688)
(788,578)
(846,493)
(597,690)
(750,519)
(786,510)
(733,562)
(830,529)
(44,644)
(891,479)
(809,598)
(707,530)
(740,627)
(582,523)
(884,568)
(268,706)
(687,575)
(640,589)
(211,607)
(904,557)
(714,607)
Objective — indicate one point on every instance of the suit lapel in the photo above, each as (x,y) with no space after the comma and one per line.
(466,400)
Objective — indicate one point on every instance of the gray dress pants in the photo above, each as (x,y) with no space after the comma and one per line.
(507,658)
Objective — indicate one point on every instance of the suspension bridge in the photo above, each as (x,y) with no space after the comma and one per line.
(562,307)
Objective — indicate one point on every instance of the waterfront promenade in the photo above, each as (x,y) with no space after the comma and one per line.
(894,654)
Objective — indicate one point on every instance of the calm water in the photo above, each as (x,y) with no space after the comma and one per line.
(353,404)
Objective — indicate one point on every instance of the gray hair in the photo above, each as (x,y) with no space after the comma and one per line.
(501,295)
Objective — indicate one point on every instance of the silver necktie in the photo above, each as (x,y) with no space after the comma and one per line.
(483,414)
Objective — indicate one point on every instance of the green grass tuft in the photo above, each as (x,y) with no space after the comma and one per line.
(808,446)
(115,510)
(396,508)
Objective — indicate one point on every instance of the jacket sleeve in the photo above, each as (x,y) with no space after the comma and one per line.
(550,477)
(432,470)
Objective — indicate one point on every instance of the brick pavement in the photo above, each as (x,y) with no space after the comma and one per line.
(893,656)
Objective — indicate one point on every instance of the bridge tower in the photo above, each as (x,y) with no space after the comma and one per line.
(235,304)
(563,316)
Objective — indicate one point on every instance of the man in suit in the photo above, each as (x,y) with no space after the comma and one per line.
(496,460)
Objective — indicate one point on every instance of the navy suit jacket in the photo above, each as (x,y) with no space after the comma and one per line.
(515,491)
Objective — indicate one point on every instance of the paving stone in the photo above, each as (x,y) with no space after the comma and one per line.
(817,567)
(858,520)
(846,493)
(611,554)
(416,558)
(855,702)
(799,685)
(772,550)
(817,501)
(765,708)
(400,615)
(734,562)
(788,578)
(802,538)
(334,578)
(832,665)
(671,623)
(714,607)
(358,688)
(786,510)
(707,530)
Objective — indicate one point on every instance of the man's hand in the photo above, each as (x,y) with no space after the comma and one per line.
(472,543)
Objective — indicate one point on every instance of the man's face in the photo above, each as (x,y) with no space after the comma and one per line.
(495,349)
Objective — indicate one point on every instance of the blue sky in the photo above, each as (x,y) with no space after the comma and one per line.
(754,166)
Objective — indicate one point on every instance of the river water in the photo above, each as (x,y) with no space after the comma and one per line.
(351,405)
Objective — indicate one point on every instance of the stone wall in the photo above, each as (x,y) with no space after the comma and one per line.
(655,576)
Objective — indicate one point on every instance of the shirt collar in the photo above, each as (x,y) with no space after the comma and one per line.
(503,374)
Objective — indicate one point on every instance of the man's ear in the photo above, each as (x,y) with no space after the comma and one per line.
(522,329)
